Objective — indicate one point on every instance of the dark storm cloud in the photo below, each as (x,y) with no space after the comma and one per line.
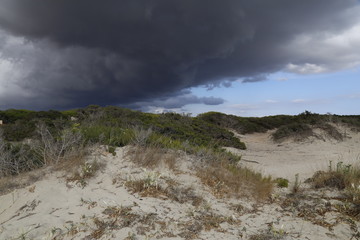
(66,53)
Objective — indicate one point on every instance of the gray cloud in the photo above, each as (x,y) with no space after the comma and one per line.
(64,53)
(174,102)
(256,78)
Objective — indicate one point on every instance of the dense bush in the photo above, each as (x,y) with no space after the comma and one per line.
(17,158)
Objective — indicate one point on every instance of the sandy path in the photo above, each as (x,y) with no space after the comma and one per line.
(289,158)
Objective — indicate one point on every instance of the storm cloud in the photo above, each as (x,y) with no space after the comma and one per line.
(65,53)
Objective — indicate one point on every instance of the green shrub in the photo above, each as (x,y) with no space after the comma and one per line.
(114,136)
(282,182)
(19,130)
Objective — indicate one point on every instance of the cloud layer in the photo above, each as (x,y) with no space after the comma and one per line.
(64,53)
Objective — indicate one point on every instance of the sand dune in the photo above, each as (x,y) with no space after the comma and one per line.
(106,208)
(288,158)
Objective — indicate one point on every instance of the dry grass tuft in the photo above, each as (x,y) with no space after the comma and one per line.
(139,186)
(204,219)
(323,179)
(226,179)
(152,156)
(116,218)
(152,186)
(85,172)
(182,195)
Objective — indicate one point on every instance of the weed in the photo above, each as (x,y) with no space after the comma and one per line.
(296,185)
(86,171)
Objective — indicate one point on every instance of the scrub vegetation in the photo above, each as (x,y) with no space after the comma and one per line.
(285,126)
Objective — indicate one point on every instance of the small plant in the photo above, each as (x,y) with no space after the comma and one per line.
(111,149)
(282,182)
(151,179)
(141,136)
(271,233)
(86,171)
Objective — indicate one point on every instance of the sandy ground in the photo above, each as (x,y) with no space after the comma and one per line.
(288,158)
(105,208)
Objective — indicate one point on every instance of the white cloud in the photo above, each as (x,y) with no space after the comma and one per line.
(282,79)
(307,68)
(271,101)
(325,52)
(300,100)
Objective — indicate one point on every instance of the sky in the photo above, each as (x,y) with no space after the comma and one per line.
(241,57)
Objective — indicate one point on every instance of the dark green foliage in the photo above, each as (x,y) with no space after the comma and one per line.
(246,125)
(21,124)
(295,130)
(114,136)
(110,121)
(298,126)
(19,130)
(12,115)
